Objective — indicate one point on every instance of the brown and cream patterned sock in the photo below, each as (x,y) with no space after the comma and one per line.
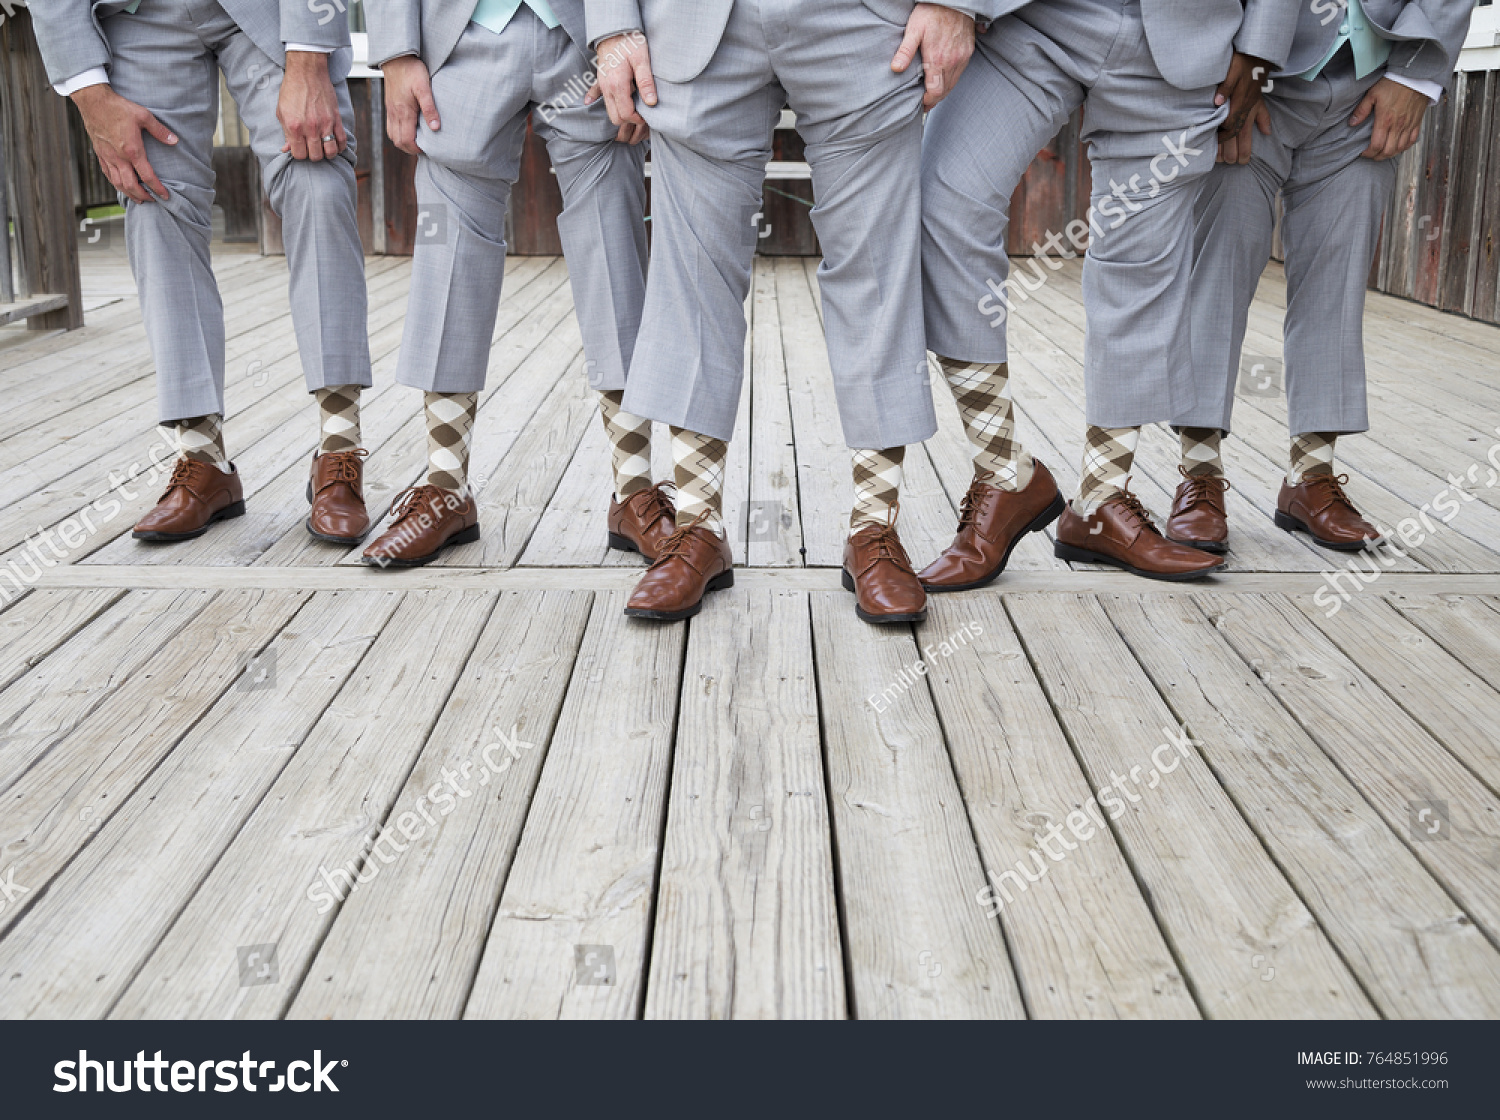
(200,438)
(629,444)
(1200,452)
(1312,453)
(982,392)
(338,418)
(450,430)
(877,487)
(698,464)
(1108,454)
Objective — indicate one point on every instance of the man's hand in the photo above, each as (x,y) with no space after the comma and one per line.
(115,126)
(945,39)
(624,68)
(1241,88)
(308,109)
(1398,113)
(408,99)
(1236,149)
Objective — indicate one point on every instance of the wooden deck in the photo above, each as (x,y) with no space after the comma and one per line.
(767,812)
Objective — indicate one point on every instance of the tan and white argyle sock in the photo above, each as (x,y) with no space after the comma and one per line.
(629,444)
(338,418)
(877,487)
(200,438)
(450,430)
(698,464)
(1312,453)
(1108,454)
(1200,452)
(982,392)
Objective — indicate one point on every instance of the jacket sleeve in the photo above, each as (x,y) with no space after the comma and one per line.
(69,38)
(318,23)
(1433,60)
(610,17)
(395,28)
(1267,29)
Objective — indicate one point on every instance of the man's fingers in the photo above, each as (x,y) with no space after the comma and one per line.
(157,129)
(298,143)
(645,81)
(1263,119)
(910,44)
(147,175)
(593,94)
(1366,107)
(126,181)
(429,108)
(934,85)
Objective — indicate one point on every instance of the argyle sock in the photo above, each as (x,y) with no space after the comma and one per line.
(338,418)
(450,430)
(698,469)
(877,487)
(1312,453)
(982,392)
(200,438)
(1107,457)
(1200,452)
(629,445)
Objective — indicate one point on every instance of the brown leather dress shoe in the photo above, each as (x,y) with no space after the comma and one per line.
(990,525)
(1198,516)
(1319,507)
(642,522)
(337,493)
(197,495)
(425,520)
(1121,533)
(693,561)
(877,570)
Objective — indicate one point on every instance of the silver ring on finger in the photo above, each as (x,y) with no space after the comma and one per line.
(330,139)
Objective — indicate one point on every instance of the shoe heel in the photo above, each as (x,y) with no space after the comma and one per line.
(1049,515)
(624,544)
(467,536)
(720,582)
(846,579)
(1076,555)
(1287,521)
(233,509)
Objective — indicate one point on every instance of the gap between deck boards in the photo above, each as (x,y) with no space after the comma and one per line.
(151,577)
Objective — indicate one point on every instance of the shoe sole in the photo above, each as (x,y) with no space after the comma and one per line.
(625,544)
(1219,548)
(232,510)
(465,536)
(324,536)
(1296,525)
(718,583)
(1047,517)
(879,619)
(1084,556)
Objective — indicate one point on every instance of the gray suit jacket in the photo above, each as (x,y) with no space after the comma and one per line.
(1428,35)
(432,28)
(72,40)
(685,33)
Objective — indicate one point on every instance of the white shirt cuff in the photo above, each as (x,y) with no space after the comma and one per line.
(1431,90)
(98,76)
(310,50)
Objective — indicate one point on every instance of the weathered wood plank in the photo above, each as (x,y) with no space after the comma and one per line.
(1220,900)
(918,943)
(746,921)
(584,876)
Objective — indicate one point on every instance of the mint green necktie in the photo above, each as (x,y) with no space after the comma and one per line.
(1371,49)
(132,6)
(497,14)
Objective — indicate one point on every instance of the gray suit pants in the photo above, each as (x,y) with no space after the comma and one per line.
(831,61)
(1151,144)
(1333,201)
(464,178)
(167,57)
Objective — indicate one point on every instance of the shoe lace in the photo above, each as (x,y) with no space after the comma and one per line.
(887,543)
(1198,487)
(968,510)
(1334,484)
(183,472)
(656,505)
(1133,507)
(676,544)
(411,501)
(344,465)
